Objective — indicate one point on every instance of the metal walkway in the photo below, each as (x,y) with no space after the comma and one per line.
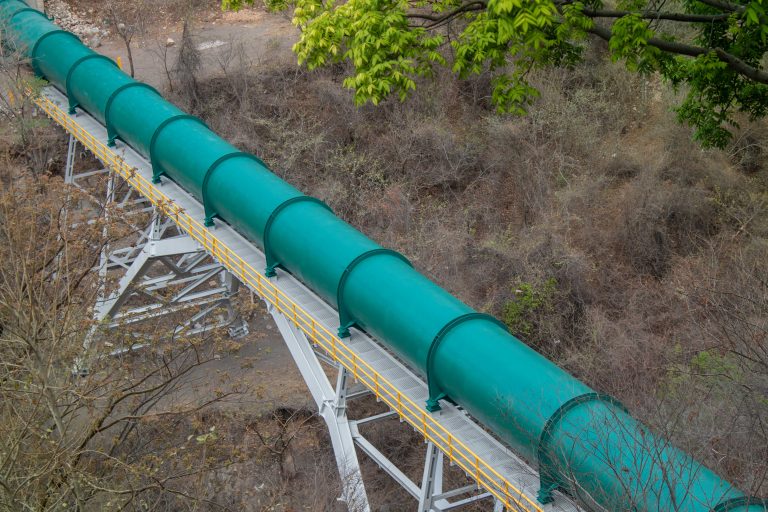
(304,316)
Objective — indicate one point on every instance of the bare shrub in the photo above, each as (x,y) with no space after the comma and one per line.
(187,67)
(749,148)
(127,19)
(528,163)
(660,220)
(721,380)
(587,108)
(25,132)
(687,165)
(438,157)
(106,435)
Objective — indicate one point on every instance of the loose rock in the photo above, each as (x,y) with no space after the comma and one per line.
(71,21)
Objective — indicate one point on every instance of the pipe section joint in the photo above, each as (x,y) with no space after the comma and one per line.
(210,213)
(740,503)
(345,317)
(33,53)
(111,133)
(436,394)
(550,479)
(73,103)
(157,170)
(272,262)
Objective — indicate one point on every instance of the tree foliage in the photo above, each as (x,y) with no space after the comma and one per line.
(714,49)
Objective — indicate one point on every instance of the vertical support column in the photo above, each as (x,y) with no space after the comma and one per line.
(432,480)
(328,401)
(156,231)
(81,367)
(341,392)
(237,326)
(104,257)
(69,167)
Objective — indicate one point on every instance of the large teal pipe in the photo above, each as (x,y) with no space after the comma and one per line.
(584,443)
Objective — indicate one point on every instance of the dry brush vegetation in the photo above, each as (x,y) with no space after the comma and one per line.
(595,227)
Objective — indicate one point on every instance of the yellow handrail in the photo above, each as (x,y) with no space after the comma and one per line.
(459,453)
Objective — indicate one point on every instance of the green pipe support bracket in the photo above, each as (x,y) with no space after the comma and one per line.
(157,170)
(73,103)
(742,501)
(436,394)
(209,212)
(111,133)
(345,318)
(549,480)
(269,254)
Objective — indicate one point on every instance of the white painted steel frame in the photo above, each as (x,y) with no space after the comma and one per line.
(180,259)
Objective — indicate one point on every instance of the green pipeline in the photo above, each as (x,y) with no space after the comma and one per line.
(584,443)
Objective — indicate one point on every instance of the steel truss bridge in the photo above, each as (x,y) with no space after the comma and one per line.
(176,251)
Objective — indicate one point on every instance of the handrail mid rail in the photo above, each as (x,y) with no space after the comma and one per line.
(417,416)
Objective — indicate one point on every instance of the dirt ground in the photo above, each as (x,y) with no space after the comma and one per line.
(250,34)
(262,366)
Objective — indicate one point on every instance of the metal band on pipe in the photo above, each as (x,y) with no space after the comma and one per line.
(158,171)
(741,501)
(345,318)
(209,212)
(549,479)
(272,262)
(435,394)
(73,103)
(33,53)
(111,133)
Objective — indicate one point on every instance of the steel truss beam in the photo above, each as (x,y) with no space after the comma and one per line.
(167,276)
(331,405)
(122,195)
(332,402)
(165,272)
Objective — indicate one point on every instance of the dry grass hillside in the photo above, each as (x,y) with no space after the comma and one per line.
(595,227)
